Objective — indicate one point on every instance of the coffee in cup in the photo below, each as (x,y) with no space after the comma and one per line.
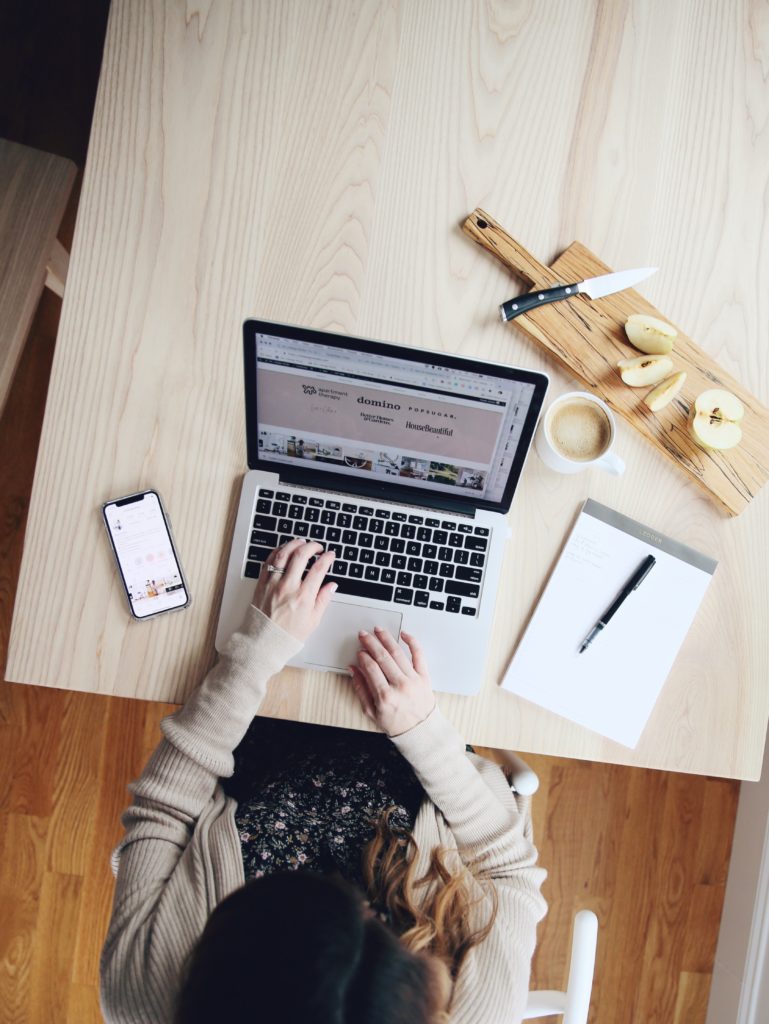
(576,433)
(580,430)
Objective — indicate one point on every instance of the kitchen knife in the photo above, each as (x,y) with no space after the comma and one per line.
(593,287)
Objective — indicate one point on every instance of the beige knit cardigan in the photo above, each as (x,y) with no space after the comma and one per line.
(180,855)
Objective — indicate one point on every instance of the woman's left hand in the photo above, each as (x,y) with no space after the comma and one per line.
(394,690)
(295,604)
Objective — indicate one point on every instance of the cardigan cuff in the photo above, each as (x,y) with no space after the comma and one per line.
(260,643)
(427,744)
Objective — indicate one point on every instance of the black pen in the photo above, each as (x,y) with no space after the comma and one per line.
(632,584)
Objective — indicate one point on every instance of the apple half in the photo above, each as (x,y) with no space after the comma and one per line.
(643,371)
(648,334)
(714,420)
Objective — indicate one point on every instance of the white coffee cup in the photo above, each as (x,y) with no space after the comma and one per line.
(577,432)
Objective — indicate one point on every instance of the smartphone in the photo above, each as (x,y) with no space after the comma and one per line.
(144,549)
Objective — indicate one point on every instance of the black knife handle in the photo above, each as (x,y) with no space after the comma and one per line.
(525,303)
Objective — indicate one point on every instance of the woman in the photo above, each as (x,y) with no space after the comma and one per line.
(434,836)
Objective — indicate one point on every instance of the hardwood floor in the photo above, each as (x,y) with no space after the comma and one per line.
(648,851)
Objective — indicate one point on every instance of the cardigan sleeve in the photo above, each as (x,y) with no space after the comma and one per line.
(494,837)
(151,929)
(475,813)
(198,744)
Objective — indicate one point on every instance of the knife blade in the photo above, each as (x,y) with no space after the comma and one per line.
(593,287)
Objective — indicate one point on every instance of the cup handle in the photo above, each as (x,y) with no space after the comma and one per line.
(612,464)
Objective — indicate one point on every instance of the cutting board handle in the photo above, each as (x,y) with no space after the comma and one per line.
(484,230)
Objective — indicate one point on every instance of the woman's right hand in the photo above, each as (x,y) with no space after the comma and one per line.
(394,691)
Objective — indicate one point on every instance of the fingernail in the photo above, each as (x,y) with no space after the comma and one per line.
(335,586)
(362,632)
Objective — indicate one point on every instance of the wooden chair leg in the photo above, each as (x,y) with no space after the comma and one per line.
(56,268)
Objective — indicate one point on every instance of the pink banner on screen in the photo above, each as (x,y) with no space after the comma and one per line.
(305,405)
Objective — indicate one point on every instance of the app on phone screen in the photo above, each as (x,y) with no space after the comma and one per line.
(146,556)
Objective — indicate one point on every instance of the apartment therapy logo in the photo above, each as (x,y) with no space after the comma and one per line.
(324,392)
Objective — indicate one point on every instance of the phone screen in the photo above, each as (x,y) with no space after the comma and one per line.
(145,554)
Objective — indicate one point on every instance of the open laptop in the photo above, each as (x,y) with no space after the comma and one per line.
(404,461)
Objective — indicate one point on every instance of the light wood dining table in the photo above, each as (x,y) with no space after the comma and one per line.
(312,163)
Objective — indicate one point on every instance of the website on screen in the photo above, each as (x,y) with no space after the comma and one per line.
(360,413)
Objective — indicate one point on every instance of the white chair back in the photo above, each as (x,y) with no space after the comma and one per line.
(573,1005)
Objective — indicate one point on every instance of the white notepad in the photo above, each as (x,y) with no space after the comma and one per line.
(611,687)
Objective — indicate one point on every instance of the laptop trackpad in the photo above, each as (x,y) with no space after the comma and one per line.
(334,644)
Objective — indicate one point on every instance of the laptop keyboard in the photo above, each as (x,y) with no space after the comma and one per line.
(383,554)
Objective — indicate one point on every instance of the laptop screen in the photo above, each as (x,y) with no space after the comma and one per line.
(383,417)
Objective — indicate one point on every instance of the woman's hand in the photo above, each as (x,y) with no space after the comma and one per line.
(394,691)
(295,604)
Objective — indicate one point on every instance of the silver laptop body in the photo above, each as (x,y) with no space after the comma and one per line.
(404,461)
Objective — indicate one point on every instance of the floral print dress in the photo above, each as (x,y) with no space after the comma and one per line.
(308,796)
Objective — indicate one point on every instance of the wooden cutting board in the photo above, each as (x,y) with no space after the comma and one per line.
(587,337)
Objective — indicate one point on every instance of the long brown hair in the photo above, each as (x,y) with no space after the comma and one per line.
(440,925)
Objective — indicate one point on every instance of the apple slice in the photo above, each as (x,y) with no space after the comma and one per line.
(648,334)
(641,371)
(665,392)
(714,420)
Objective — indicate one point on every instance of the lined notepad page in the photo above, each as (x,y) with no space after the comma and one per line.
(611,687)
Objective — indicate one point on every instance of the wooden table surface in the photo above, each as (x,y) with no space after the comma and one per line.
(312,163)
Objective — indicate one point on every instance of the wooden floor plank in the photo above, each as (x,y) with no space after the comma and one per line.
(633,894)
(78,756)
(58,918)
(154,712)
(36,728)
(692,998)
(121,759)
(83,1005)
(698,942)
(22,864)
(677,840)
(716,833)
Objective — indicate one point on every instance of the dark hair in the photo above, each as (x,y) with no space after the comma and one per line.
(298,947)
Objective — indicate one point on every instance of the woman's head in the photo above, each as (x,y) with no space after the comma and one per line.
(299,947)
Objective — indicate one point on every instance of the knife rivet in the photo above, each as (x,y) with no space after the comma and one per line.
(540,296)
(568,291)
(515,305)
